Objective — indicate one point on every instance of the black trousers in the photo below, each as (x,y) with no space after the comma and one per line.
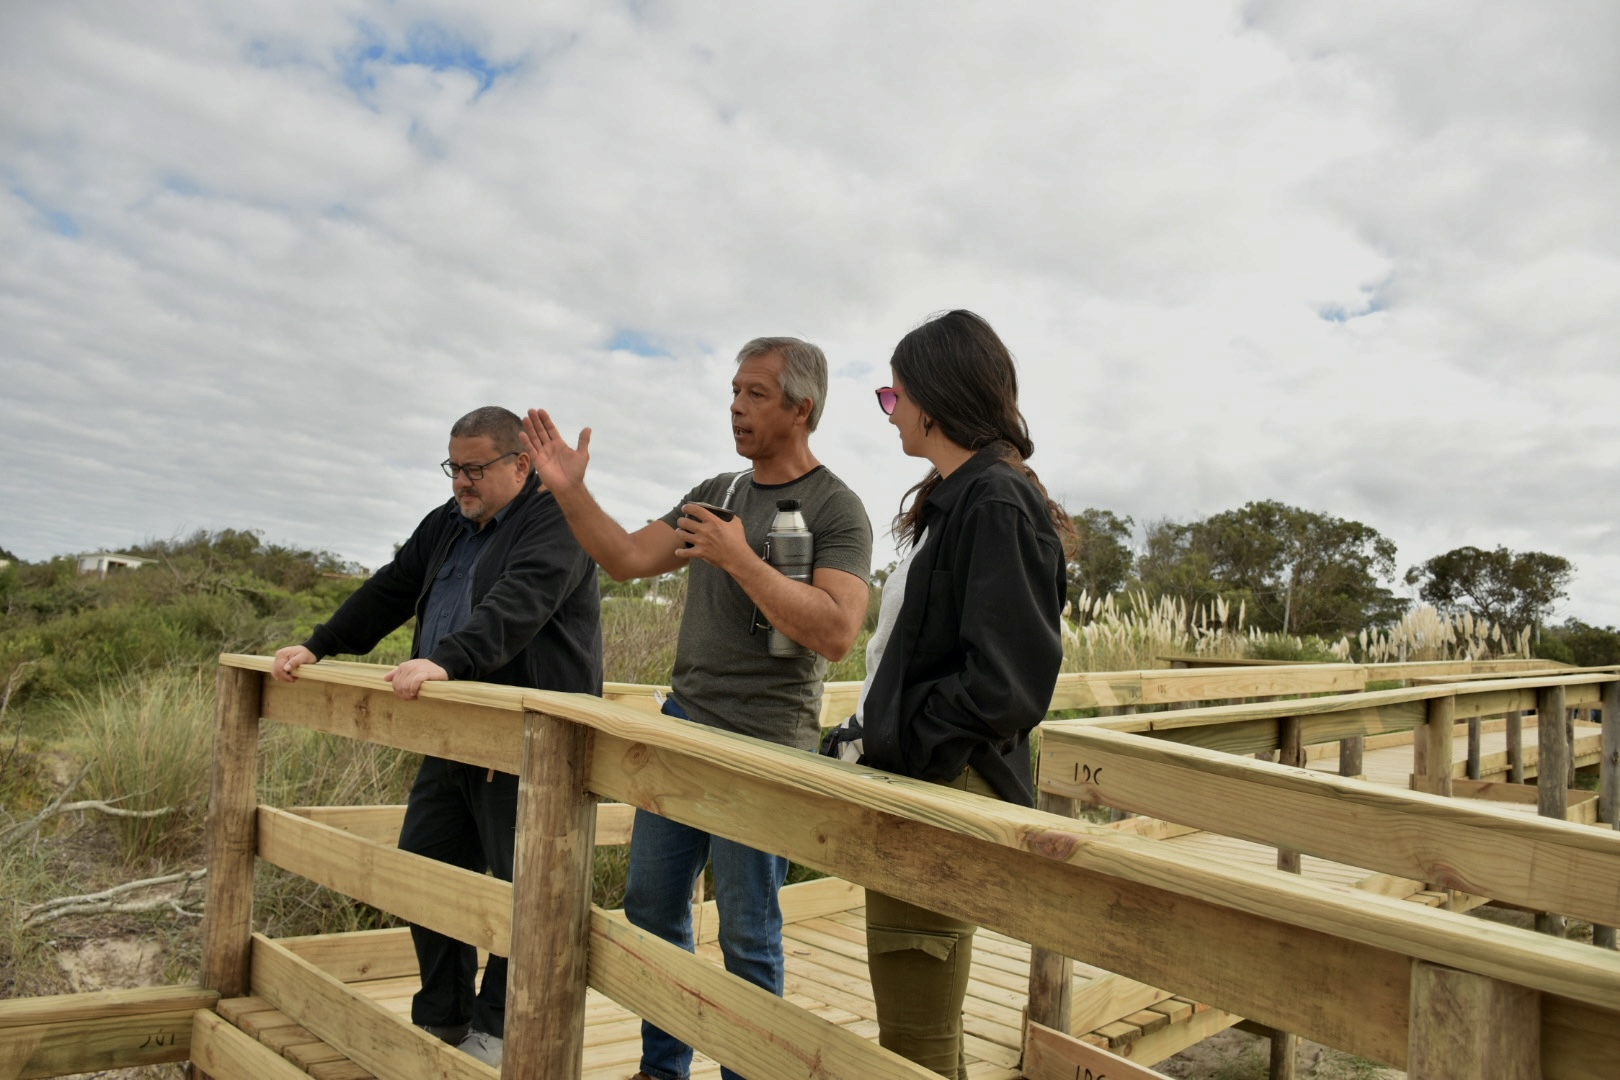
(457,814)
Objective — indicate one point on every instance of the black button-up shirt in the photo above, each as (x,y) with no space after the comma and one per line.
(449,599)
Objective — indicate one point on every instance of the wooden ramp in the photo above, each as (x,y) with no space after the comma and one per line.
(826,974)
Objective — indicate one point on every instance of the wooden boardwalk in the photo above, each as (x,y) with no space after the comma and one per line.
(826,974)
(825,951)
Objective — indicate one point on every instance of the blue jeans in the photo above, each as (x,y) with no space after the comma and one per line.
(666,859)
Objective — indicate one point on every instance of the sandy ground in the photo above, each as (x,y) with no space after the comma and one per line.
(1237,1055)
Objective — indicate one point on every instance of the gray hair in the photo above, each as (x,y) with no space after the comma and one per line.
(804,370)
(500,426)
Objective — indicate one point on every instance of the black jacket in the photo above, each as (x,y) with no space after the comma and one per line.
(536,618)
(971,662)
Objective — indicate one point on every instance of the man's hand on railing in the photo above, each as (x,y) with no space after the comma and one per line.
(289,660)
(409,677)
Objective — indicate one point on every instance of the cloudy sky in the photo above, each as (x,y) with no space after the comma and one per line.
(1363,258)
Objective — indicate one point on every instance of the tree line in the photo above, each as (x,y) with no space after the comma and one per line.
(1301,572)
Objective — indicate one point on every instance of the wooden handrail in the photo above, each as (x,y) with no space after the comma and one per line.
(1084,891)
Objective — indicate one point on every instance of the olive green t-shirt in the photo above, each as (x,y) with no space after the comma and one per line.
(724,675)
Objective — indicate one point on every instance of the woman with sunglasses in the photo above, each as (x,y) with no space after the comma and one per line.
(961,666)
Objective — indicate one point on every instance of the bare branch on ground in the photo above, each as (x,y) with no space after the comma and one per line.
(20,831)
(110,901)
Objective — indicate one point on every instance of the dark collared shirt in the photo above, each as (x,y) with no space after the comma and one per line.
(449,599)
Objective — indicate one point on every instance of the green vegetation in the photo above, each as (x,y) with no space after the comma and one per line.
(1577,643)
(114,678)
(106,691)
(1514,589)
(214,592)
(1294,570)
(1103,558)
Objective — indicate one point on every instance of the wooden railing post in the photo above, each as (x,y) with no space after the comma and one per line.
(1431,747)
(1290,751)
(232,822)
(1469,1027)
(1114,812)
(1352,754)
(1474,738)
(1609,785)
(1569,743)
(1051,975)
(1514,734)
(1552,775)
(551,903)
(1552,766)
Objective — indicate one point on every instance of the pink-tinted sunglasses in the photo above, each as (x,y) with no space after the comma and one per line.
(888,397)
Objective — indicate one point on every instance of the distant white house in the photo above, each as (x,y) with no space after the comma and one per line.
(103,563)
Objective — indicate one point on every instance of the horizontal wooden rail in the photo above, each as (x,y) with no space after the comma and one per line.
(1243,728)
(1053,1055)
(474,908)
(361,1029)
(746,1028)
(359,954)
(1122,903)
(1084,891)
(380,824)
(107,1029)
(1533,862)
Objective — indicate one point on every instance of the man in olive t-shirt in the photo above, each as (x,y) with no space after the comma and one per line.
(724,676)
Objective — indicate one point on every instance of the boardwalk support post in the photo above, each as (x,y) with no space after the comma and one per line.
(1051,975)
(1291,752)
(1609,785)
(1552,774)
(1466,1026)
(1514,732)
(1431,748)
(1352,755)
(232,832)
(551,893)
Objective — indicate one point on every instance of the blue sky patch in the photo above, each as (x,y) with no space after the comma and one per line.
(53,218)
(1373,299)
(426,44)
(634,341)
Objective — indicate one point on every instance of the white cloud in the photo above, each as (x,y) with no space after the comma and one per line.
(1361,258)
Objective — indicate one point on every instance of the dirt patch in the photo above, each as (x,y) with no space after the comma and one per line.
(1237,1055)
(113,964)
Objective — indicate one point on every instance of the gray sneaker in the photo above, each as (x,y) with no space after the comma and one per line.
(483,1046)
(450,1033)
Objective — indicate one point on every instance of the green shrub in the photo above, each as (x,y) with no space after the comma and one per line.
(149,741)
(1286,647)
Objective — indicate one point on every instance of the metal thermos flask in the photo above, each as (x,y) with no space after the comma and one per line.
(789,547)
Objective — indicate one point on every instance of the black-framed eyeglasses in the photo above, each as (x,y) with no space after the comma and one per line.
(472,472)
(888,397)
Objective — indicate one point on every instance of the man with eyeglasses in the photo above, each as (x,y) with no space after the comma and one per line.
(726,676)
(502,593)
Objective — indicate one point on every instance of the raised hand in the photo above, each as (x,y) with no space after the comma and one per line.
(560,466)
